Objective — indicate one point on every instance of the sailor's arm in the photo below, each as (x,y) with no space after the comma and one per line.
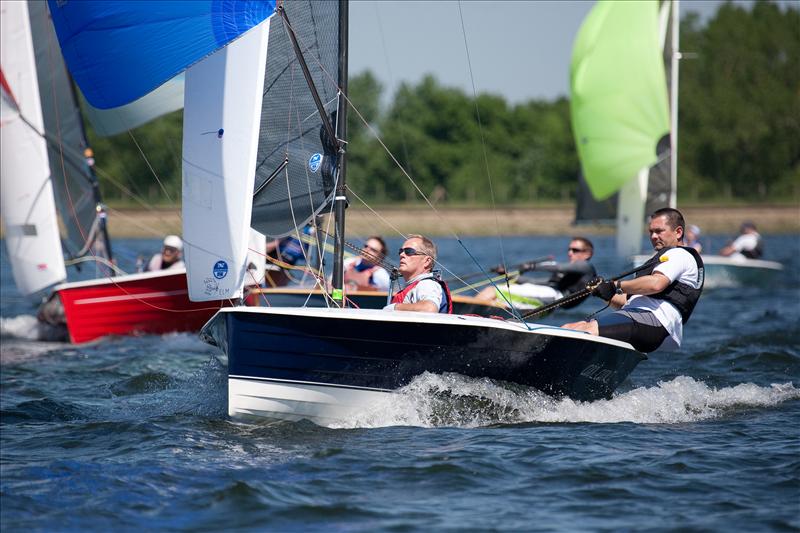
(425,306)
(650,284)
(644,285)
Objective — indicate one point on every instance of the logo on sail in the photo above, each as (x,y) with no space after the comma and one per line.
(314,162)
(220,269)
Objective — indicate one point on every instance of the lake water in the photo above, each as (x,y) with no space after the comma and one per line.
(132,433)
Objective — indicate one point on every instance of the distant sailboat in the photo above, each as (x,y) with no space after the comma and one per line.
(153,302)
(626,127)
(620,114)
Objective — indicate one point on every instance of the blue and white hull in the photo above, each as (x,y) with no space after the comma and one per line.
(326,364)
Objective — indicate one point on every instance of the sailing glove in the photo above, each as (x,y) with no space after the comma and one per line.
(604,289)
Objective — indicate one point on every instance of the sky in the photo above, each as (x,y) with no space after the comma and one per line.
(519,49)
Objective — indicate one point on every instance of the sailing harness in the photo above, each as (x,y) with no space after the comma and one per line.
(682,296)
(447,303)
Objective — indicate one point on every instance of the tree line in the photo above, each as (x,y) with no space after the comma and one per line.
(739,130)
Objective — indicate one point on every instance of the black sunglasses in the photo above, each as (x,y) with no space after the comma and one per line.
(410,251)
(577,250)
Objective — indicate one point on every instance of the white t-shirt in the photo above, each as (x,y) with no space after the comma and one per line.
(680,266)
(156,261)
(427,289)
(744,243)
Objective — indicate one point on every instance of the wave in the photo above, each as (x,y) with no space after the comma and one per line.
(27,327)
(433,400)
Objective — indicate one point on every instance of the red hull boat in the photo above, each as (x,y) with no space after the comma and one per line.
(146,303)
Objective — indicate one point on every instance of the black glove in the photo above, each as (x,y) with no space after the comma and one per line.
(603,288)
(527,267)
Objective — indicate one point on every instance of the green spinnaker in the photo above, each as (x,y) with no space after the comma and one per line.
(619,93)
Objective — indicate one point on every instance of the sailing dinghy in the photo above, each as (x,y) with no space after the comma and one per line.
(43,141)
(264,130)
(323,364)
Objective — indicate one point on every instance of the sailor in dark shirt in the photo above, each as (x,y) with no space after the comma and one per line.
(566,279)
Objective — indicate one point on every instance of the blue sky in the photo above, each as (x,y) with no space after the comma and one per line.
(519,49)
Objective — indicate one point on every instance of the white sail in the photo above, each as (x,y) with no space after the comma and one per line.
(221,120)
(26,195)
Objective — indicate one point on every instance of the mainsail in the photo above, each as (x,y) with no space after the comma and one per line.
(296,160)
(620,116)
(72,178)
(26,199)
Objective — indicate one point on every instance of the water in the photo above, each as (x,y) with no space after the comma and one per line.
(132,433)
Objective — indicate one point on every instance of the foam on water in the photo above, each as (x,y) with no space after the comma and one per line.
(21,327)
(453,400)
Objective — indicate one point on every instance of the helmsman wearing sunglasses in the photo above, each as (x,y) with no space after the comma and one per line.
(565,278)
(423,290)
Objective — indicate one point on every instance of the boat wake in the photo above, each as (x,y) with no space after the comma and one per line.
(434,400)
(27,327)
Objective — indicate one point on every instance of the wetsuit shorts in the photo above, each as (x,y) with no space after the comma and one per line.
(638,327)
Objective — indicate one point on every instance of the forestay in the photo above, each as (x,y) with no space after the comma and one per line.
(26,198)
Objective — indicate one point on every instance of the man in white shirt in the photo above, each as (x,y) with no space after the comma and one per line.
(748,245)
(423,291)
(170,256)
(654,306)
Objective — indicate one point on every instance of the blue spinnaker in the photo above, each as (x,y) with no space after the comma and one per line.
(119,51)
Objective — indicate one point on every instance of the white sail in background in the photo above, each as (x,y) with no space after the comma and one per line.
(26,195)
(222,111)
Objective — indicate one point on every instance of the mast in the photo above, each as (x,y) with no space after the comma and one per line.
(673,104)
(88,154)
(340,198)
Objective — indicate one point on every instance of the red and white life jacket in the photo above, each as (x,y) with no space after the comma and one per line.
(447,303)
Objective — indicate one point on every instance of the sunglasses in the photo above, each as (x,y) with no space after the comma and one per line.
(410,251)
(577,250)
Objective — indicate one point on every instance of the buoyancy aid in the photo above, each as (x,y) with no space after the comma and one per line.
(360,280)
(682,296)
(447,303)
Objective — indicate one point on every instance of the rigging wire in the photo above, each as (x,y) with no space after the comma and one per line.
(401,129)
(485,158)
(413,183)
(152,170)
